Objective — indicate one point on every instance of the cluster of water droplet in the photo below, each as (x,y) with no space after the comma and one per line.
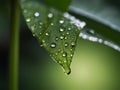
(73,20)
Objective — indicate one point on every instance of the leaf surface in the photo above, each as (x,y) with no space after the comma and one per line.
(57,32)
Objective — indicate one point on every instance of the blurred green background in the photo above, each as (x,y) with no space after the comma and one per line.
(94,66)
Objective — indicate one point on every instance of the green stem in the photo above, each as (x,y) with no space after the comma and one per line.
(14,46)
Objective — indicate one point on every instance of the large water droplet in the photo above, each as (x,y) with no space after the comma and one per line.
(36,14)
(53,45)
(69,28)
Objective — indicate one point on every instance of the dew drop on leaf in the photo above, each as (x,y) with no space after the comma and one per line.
(53,45)
(36,14)
(50,15)
(64,54)
(28,20)
(61,29)
(56,38)
(46,34)
(66,44)
(61,37)
(61,21)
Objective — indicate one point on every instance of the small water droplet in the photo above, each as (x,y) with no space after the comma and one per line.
(59,62)
(41,23)
(66,44)
(56,53)
(33,35)
(71,55)
(56,38)
(66,70)
(43,41)
(52,24)
(46,34)
(53,45)
(61,29)
(61,37)
(50,15)
(36,14)
(69,28)
(73,44)
(65,37)
(28,20)
(64,54)
(61,21)
(67,33)
(40,33)
(65,61)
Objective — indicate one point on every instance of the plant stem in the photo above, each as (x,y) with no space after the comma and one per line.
(14,46)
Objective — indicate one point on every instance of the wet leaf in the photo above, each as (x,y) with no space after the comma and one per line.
(57,32)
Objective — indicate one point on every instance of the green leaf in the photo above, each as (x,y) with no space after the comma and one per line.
(56,31)
(62,5)
(100,15)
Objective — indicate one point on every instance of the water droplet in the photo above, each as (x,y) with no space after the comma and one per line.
(66,70)
(40,33)
(73,44)
(52,24)
(64,54)
(69,28)
(65,37)
(59,62)
(28,20)
(61,21)
(65,61)
(53,45)
(61,37)
(50,15)
(33,35)
(41,23)
(46,34)
(25,11)
(71,55)
(56,38)
(36,14)
(67,33)
(61,29)
(43,41)
(66,44)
